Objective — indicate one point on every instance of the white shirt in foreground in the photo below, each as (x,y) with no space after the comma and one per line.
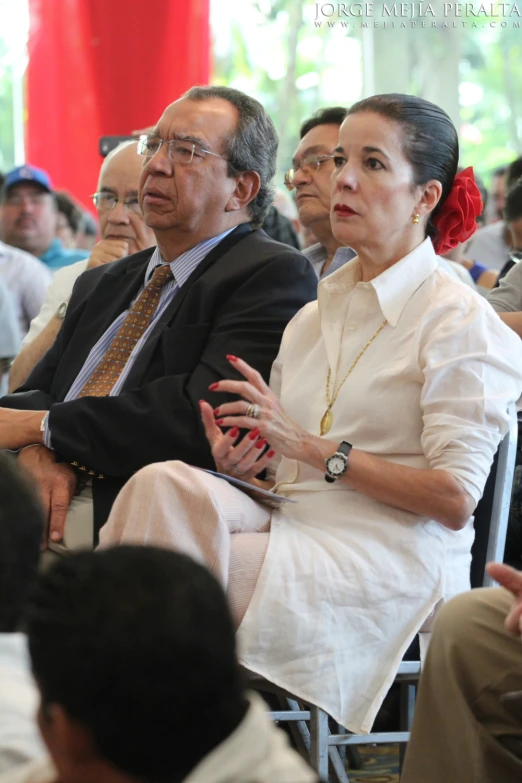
(19,737)
(26,278)
(256,752)
(348,581)
(59,291)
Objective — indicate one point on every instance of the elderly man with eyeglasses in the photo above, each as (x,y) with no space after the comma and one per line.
(312,167)
(144,337)
(123,232)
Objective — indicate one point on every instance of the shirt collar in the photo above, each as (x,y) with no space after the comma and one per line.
(183,266)
(54,249)
(394,287)
(316,254)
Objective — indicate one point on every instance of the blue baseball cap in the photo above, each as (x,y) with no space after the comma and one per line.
(28,174)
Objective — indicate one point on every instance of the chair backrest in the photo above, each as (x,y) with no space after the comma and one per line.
(492,512)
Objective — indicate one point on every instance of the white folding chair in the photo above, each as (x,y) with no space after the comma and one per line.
(310,725)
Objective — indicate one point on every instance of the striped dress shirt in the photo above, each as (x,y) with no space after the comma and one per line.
(182,267)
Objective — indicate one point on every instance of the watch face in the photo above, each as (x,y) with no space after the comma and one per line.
(336,465)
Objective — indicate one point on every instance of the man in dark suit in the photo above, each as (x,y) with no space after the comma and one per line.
(143,339)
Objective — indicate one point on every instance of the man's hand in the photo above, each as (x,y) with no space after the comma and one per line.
(108,250)
(56,485)
(512,580)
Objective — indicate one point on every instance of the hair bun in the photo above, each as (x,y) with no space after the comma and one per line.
(457,219)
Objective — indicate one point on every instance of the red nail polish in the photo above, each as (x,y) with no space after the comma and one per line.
(253,435)
(216,411)
(234,432)
(270,454)
(261,443)
(219,421)
(231,358)
(213,386)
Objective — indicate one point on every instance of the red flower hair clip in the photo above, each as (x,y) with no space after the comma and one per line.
(457,218)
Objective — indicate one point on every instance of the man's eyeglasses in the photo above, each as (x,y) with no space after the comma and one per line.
(183,152)
(309,163)
(107,201)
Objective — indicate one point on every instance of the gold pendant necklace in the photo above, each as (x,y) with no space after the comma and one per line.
(327,420)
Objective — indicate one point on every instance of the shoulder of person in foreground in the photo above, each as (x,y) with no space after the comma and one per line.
(40,771)
(256,752)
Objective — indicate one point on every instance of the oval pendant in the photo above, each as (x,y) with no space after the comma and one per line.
(326,423)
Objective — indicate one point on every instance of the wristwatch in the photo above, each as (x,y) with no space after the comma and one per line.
(62,309)
(337,464)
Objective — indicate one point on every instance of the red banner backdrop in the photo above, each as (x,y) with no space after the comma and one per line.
(105,67)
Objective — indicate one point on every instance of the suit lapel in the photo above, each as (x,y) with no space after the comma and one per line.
(112,295)
(143,359)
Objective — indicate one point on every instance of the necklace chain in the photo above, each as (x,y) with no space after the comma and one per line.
(327,420)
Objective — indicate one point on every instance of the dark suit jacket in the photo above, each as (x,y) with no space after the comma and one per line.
(237,301)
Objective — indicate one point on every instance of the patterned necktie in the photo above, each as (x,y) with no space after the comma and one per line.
(136,322)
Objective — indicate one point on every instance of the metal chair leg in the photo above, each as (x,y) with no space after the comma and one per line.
(407,706)
(319,733)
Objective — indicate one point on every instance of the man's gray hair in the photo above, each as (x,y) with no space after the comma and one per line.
(253,147)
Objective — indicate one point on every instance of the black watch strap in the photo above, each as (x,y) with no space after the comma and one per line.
(345,447)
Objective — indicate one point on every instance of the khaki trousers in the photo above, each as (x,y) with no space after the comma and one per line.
(462,731)
(78,533)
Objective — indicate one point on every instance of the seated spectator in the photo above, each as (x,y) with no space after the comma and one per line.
(21,530)
(26,278)
(143,339)
(312,167)
(68,218)
(28,217)
(513,221)
(123,231)
(386,406)
(495,208)
(285,204)
(468,715)
(134,654)
(10,336)
(87,232)
(489,247)
(506,299)
(280,228)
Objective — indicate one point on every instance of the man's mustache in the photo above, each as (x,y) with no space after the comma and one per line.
(23,217)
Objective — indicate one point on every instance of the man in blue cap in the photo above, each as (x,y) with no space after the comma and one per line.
(28,217)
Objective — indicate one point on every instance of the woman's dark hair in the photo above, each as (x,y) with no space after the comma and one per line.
(431,143)
(137,644)
(513,207)
(253,147)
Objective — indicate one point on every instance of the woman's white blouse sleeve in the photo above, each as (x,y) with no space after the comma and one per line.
(472,366)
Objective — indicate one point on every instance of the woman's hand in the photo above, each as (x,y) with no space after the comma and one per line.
(243,460)
(270,419)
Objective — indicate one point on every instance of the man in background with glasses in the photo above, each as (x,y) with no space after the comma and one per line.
(144,338)
(312,167)
(123,232)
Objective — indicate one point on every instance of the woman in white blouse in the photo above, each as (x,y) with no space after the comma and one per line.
(402,373)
